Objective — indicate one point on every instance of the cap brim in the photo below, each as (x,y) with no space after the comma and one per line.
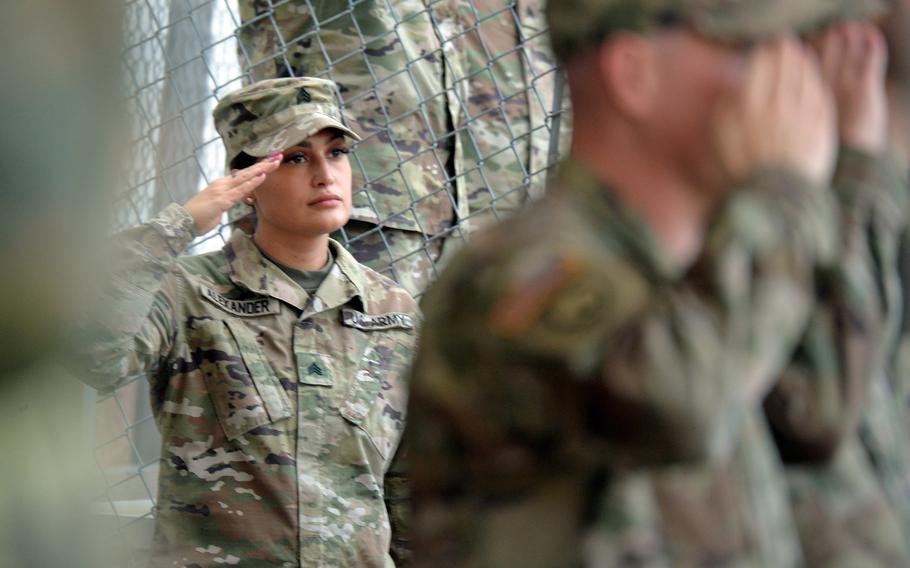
(757,21)
(861,9)
(296,132)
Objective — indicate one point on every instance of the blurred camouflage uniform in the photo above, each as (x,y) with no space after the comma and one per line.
(563,353)
(51,225)
(280,411)
(575,391)
(892,431)
(832,391)
(887,437)
(853,508)
(451,98)
(886,427)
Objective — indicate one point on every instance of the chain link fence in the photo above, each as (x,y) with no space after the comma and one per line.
(460,107)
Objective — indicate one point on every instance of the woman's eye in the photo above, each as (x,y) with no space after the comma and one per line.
(298,158)
(338,152)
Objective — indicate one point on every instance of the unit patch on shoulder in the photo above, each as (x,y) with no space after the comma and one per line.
(368,322)
(261,306)
(522,305)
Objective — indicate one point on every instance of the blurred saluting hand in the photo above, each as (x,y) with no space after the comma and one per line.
(783,116)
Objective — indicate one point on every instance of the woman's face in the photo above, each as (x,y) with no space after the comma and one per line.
(310,193)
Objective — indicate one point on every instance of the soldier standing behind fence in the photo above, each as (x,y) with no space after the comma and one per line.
(588,386)
(451,98)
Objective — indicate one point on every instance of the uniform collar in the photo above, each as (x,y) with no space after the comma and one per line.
(610,217)
(345,281)
(250,269)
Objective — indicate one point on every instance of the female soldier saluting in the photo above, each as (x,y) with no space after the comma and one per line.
(277,365)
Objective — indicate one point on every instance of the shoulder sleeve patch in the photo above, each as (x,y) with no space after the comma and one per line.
(522,307)
(571,309)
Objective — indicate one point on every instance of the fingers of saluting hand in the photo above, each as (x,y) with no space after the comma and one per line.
(242,182)
(831,47)
(258,170)
(207,206)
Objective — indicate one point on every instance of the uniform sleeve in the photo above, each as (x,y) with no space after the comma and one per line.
(823,392)
(135,324)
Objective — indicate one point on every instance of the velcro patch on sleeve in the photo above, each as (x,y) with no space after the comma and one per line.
(261,306)
(522,306)
(368,322)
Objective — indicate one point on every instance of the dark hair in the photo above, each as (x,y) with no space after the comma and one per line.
(243,160)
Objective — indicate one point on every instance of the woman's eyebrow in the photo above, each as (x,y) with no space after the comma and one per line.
(306,143)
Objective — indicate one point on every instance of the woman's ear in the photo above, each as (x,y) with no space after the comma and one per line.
(628,67)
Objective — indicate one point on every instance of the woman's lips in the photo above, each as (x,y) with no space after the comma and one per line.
(327,200)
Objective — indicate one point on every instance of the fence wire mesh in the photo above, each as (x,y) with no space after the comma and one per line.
(459,104)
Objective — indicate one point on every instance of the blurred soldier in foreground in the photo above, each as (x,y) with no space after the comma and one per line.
(835,381)
(589,383)
(888,437)
(451,97)
(59,153)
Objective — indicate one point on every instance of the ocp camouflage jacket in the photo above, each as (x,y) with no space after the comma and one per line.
(280,413)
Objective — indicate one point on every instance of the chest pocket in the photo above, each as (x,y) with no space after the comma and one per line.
(242,386)
(377,399)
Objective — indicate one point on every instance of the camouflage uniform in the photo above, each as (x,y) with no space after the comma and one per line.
(280,413)
(575,391)
(891,430)
(578,400)
(452,99)
(853,505)
(886,425)
(835,384)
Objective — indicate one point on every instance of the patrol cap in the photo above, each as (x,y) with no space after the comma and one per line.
(576,25)
(862,9)
(276,114)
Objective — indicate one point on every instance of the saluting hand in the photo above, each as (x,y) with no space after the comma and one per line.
(853,61)
(783,116)
(207,206)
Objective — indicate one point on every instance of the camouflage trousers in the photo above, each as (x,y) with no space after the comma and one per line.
(408,257)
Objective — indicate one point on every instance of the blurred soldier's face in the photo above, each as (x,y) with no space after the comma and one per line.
(310,193)
(695,74)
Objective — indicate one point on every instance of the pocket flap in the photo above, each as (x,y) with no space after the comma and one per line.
(273,394)
(377,381)
(243,388)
